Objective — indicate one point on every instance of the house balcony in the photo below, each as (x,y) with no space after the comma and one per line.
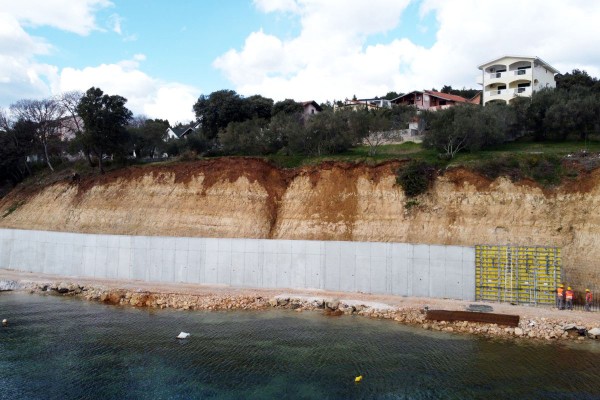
(497,92)
(522,73)
(522,91)
(498,75)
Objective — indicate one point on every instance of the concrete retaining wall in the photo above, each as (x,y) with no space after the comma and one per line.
(379,268)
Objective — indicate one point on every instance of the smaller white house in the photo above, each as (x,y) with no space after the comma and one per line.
(179,132)
(508,77)
(310,107)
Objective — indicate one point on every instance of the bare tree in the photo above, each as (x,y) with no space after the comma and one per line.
(69,101)
(45,115)
(4,120)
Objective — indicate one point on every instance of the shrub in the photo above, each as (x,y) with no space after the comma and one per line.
(415,178)
(545,170)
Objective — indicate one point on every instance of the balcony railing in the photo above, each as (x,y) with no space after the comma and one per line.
(522,71)
(522,90)
(497,92)
(497,75)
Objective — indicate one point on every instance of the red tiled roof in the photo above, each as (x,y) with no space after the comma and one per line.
(446,96)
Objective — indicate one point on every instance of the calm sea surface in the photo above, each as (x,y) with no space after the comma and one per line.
(64,348)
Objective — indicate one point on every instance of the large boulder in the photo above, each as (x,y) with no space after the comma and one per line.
(332,304)
(594,333)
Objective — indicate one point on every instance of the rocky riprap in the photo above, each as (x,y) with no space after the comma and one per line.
(541,328)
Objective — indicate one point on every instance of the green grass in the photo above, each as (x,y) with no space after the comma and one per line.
(404,151)
(410,151)
(559,149)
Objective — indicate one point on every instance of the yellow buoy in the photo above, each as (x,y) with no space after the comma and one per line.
(358,379)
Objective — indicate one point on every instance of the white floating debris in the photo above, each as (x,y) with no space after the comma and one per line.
(5,322)
(183,335)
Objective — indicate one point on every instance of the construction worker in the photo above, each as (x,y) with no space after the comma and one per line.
(560,297)
(569,298)
(588,300)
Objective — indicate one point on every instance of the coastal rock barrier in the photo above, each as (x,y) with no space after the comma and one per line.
(546,329)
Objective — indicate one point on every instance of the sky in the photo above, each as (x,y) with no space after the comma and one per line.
(162,55)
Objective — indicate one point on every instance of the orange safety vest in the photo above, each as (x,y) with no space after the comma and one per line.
(559,292)
(588,297)
(569,295)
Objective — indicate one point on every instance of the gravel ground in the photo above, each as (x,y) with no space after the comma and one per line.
(525,312)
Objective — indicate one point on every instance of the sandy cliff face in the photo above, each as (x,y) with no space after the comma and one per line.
(250,198)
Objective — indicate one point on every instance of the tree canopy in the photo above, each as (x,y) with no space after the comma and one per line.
(105,119)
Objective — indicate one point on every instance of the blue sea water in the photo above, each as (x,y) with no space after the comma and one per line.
(65,348)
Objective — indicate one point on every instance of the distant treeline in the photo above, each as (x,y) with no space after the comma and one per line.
(44,133)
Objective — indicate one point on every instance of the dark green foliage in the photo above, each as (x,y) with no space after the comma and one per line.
(251,137)
(415,178)
(16,143)
(287,106)
(577,79)
(218,109)
(148,137)
(105,119)
(325,133)
(222,107)
(466,93)
(468,127)
(258,107)
(195,142)
(547,170)
(391,95)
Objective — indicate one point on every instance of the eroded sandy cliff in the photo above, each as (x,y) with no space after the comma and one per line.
(233,197)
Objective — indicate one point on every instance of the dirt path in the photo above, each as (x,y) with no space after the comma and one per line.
(525,312)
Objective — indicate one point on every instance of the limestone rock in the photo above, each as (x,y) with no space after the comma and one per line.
(594,333)
(332,304)
(518,332)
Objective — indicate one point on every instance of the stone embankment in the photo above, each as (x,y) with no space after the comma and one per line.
(547,329)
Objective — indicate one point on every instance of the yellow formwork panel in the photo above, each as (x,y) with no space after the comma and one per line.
(522,274)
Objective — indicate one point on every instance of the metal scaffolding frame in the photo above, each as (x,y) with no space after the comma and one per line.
(517,274)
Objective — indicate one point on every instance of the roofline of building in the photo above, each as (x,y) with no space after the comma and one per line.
(534,58)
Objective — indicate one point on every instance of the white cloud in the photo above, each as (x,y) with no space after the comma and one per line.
(115,23)
(73,16)
(144,94)
(268,6)
(20,75)
(330,58)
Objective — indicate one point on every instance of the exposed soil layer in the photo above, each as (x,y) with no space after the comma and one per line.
(251,198)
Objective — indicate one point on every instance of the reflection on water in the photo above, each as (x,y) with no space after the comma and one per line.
(65,348)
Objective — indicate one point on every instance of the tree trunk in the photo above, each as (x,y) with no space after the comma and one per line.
(100,165)
(27,166)
(46,155)
(89,158)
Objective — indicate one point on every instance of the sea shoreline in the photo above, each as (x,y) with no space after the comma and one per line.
(536,323)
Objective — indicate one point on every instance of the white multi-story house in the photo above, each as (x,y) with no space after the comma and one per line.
(508,77)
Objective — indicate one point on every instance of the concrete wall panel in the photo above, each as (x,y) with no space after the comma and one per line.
(347,267)
(269,268)
(332,265)
(384,268)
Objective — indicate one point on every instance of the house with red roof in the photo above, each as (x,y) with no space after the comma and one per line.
(432,100)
